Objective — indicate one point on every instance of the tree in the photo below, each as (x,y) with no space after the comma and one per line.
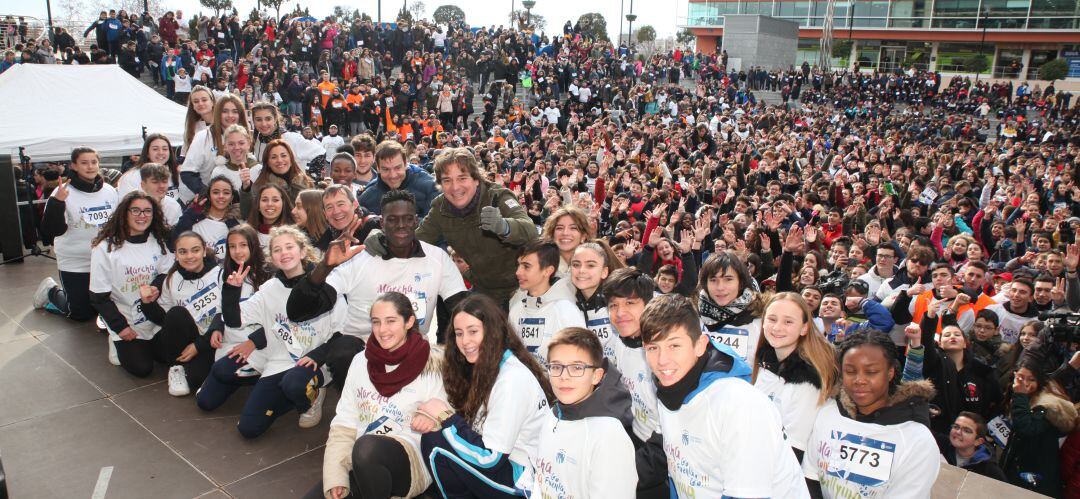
(448,14)
(976,64)
(1053,70)
(645,34)
(217,5)
(685,37)
(593,24)
(416,9)
(404,16)
(518,18)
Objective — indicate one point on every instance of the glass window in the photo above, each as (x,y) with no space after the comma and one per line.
(1055,14)
(956,57)
(955,13)
(908,14)
(871,14)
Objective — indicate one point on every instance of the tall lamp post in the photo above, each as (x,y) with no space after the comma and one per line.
(622,4)
(528,4)
(52,30)
(983,14)
(630,31)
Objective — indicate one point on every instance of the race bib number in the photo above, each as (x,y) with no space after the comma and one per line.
(203,305)
(97,216)
(734,338)
(600,327)
(221,35)
(220,247)
(999,430)
(861,460)
(531,331)
(419,304)
(383,426)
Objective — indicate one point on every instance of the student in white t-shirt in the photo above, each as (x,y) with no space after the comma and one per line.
(130,251)
(497,396)
(293,374)
(795,366)
(874,439)
(155,182)
(729,306)
(156,149)
(585,449)
(331,142)
(207,145)
(542,306)
(721,436)
(374,444)
(211,214)
(589,267)
(421,271)
(272,209)
(76,210)
(241,251)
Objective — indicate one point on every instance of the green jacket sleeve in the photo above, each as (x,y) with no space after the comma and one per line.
(429,230)
(522,228)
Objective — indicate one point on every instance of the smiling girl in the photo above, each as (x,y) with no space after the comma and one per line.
(205,146)
(729,305)
(274,210)
(211,215)
(589,268)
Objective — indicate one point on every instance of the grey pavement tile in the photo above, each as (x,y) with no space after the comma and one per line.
(287,480)
(35,382)
(63,454)
(87,351)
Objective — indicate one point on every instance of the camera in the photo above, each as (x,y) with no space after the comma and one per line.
(834,283)
(1063,328)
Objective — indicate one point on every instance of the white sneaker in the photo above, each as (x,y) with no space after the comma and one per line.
(41,295)
(247,372)
(101,326)
(178,385)
(311,418)
(113,358)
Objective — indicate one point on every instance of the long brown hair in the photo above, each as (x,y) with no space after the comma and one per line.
(468,386)
(116,230)
(192,118)
(256,258)
(217,130)
(174,169)
(255,218)
(295,176)
(311,200)
(812,346)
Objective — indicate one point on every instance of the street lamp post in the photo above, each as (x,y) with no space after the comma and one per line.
(630,31)
(52,30)
(983,14)
(529,4)
(622,3)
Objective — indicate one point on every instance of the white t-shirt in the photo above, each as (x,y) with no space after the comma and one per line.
(598,321)
(637,377)
(513,414)
(590,458)
(199,159)
(538,319)
(215,233)
(131,181)
(797,403)
(171,209)
(286,341)
(201,297)
(84,213)
(423,279)
(363,409)
(742,339)
(233,336)
(854,459)
(121,271)
(330,143)
(728,440)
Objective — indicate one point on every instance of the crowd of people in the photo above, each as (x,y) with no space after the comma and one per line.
(645,280)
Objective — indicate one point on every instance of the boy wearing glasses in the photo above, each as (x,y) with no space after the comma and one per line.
(585,449)
(968,447)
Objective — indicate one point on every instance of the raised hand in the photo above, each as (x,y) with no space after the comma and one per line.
(344,247)
(917,289)
(765,242)
(1072,257)
(1057,293)
(61,192)
(655,236)
(148,293)
(913,334)
(245,176)
(236,279)
(686,241)
(701,228)
(795,239)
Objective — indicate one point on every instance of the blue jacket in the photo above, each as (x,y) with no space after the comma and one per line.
(112,29)
(417,181)
(877,318)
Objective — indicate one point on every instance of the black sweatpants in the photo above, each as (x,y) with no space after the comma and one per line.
(380,469)
(72,298)
(340,352)
(137,356)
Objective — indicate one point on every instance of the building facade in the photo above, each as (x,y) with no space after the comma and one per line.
(1010,38)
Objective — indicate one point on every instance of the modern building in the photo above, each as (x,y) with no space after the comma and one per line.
(1013,37)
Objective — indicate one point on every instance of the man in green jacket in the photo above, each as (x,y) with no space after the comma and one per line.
(482,221)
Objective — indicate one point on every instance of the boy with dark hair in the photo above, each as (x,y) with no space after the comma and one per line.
(541,307)
(721,436)
(584,448)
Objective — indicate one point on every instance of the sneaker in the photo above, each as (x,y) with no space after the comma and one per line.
(41,295)
(247,372)
(311,418)
(101,326)
(178,385)
(113,358)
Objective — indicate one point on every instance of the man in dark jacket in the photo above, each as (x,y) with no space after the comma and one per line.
(968,449)
(396,173)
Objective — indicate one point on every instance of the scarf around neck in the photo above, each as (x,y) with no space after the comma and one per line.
(715,315)
(410,360)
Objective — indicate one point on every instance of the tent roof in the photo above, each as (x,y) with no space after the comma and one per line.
(52,109)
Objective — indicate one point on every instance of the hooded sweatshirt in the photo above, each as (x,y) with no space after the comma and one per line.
(537,319)
(723,437)
(585,449)
(889,453)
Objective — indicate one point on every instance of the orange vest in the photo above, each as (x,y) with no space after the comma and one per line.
(922,302)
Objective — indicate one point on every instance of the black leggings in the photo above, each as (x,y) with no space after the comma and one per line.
(72,297)
(380,469)
(137,356)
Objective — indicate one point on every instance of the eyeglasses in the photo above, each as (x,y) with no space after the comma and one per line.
(963,429)
(575,370)
(145,212)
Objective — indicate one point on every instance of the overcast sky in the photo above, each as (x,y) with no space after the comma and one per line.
(661,14)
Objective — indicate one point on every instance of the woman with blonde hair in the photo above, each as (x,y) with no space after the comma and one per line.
(206,145)
(794,365)
(199,116)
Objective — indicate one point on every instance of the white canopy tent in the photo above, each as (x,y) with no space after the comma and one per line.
(51,109)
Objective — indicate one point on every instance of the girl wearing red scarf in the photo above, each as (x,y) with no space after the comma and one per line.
(374,444)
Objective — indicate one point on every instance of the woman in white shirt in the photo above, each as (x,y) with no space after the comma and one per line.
(199,162)
(498,399)
(130,251)
(794,365)
(374,446)
(156,149)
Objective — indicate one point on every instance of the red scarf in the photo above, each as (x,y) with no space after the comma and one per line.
(410,360)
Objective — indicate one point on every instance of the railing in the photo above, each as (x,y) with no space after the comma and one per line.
(892,22)
(36,30)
